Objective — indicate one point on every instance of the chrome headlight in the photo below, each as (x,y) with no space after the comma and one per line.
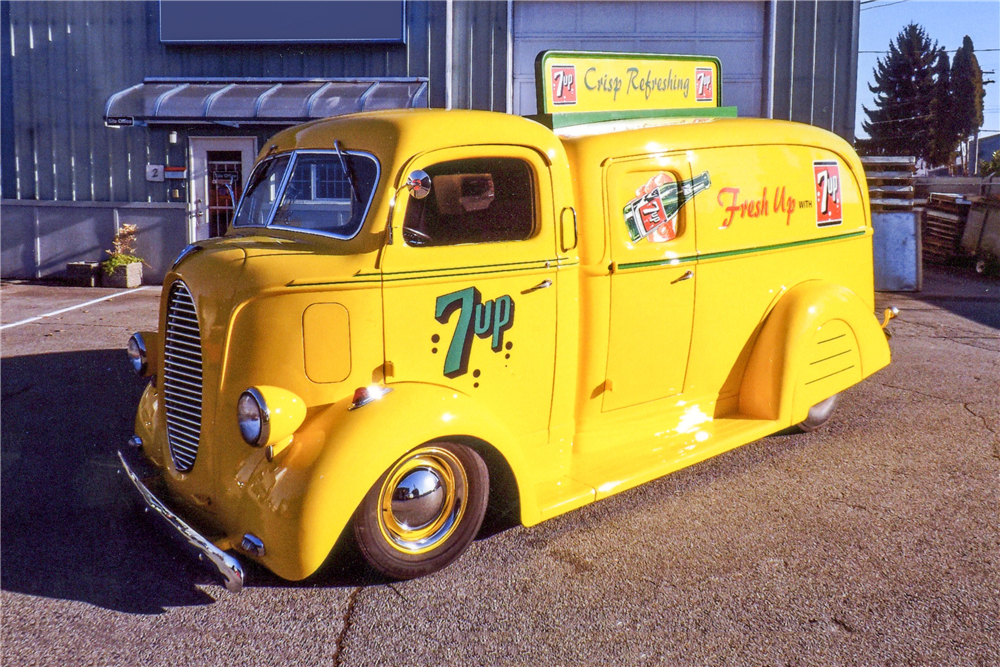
(136,350)
(253,417)
(269,417)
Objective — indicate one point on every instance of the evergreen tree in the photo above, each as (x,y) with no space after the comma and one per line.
(967,93)
(944,129)
(904,90)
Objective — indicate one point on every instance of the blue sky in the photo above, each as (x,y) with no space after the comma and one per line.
(944,21)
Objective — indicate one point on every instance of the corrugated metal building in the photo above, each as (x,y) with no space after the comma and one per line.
(201,104)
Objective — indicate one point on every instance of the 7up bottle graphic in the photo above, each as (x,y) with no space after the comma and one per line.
(654,215)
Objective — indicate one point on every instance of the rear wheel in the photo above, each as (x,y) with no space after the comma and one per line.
(424,511)
(819,414)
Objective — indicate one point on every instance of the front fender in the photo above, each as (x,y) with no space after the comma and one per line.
(784,376)
(307,496)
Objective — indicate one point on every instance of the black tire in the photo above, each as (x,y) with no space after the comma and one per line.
(819,415)
(424,511)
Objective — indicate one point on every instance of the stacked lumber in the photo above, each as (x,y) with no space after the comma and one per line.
(890,182)
(944,222)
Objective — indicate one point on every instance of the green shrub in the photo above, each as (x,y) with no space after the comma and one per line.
(115,261)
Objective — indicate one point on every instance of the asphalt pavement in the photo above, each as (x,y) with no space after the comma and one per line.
(874,541)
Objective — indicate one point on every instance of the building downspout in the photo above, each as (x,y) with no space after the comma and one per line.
(449,64)
(791,66)
(770,67)
(510,56)
(851,94)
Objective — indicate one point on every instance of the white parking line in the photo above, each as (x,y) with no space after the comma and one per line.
(66,310)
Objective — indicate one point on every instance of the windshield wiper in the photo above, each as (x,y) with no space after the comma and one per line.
(347,172)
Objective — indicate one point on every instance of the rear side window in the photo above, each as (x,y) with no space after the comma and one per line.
(480,200)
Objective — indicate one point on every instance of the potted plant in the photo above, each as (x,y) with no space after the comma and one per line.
(123,268)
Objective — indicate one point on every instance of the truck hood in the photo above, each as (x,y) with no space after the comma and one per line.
(250,264)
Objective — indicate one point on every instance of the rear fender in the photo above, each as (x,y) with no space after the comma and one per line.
(794,364)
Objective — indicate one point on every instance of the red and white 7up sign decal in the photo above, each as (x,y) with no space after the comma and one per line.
(826,177)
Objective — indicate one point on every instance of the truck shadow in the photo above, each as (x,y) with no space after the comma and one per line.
(961,291)
(70,527)
(979,310)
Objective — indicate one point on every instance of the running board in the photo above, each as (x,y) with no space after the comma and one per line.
(639,462)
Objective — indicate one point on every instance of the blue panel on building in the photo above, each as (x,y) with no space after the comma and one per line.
(216,22)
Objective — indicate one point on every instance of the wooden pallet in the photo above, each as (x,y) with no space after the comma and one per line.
(943,225)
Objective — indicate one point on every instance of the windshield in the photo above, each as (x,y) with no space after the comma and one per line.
(255,208)
(319,196)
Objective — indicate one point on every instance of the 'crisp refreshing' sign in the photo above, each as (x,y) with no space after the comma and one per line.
(582,82)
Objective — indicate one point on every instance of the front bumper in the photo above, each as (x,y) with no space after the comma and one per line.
(219,562)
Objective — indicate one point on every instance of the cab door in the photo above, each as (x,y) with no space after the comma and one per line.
(653,278)
(469,283)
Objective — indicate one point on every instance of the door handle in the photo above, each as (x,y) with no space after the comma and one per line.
(688,275)
(541,285)
(566,231)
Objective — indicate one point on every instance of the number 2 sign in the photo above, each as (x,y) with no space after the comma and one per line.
(154,173)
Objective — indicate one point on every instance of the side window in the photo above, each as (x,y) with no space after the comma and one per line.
(479,200)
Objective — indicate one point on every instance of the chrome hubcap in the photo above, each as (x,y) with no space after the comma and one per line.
(418,499)
(422,500)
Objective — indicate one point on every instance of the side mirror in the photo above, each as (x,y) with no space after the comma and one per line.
(419,184)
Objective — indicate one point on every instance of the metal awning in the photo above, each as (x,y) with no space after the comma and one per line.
(255,101)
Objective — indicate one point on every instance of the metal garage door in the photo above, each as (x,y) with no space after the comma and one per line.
(733,31)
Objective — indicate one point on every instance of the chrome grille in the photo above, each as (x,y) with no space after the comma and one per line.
(182,377)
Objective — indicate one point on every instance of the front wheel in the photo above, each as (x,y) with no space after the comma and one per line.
(424,511)
(819,414)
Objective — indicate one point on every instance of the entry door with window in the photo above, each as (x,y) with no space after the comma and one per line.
(219,166)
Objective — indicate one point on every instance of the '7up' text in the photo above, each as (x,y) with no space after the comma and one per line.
(485,320)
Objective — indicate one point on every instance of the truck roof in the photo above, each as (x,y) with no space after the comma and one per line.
(588,147)
(396,135)
(657,135)
(408,132)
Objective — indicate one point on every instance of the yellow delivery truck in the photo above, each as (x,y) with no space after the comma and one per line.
(412,306)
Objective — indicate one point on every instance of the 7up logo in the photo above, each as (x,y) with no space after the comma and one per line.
(704,84)
(485,320)
(563,84)
(826,175)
